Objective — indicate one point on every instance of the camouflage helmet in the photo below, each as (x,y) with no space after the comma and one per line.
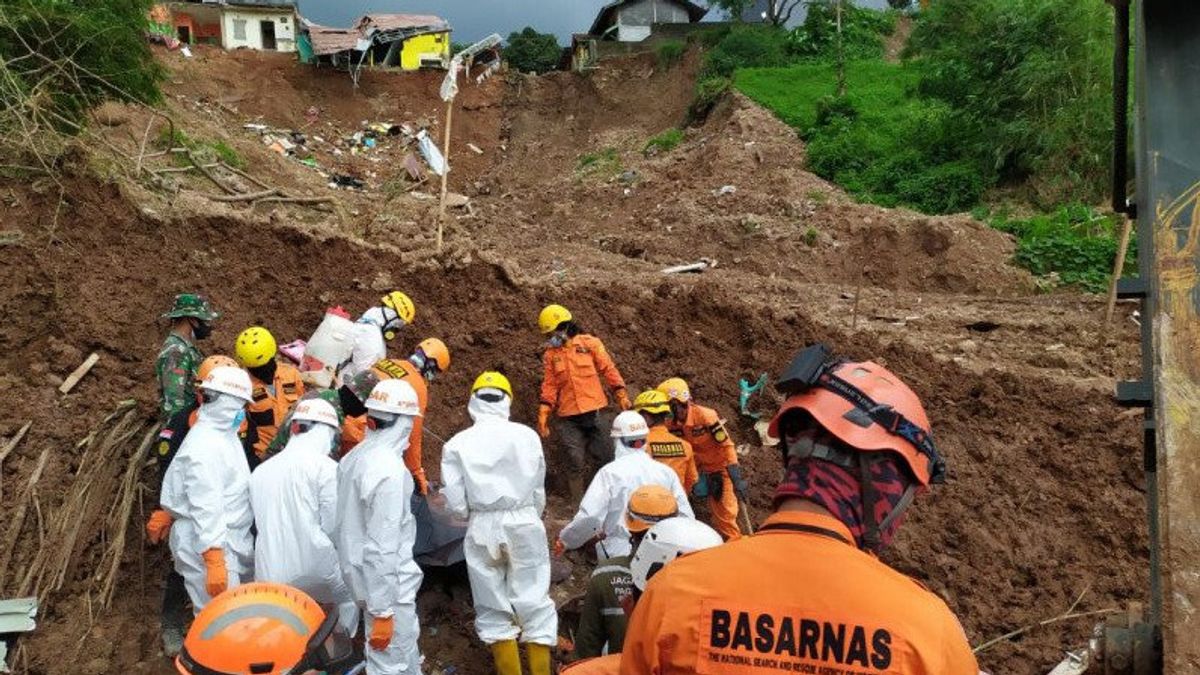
(361,384)
(191,305)
(331,397)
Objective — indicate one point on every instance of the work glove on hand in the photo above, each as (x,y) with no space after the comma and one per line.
(159,526)
(217,579)
(422,485)
(381,633)
(544,421)
(623,399)
(559,548)
(740,486)
(700,489)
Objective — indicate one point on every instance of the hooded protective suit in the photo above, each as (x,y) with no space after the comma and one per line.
(369,346)
(602,509)
(494,475)
(294,495)
(207,492)
(375,535)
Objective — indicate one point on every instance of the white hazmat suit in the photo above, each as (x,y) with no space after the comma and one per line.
(294,495)
(602,509)
(206,489)
(368,347)
(375,536)
(494,474)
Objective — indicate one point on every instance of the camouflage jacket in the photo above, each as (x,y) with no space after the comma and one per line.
(176,371)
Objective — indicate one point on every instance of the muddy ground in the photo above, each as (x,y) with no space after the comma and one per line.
(1046,497)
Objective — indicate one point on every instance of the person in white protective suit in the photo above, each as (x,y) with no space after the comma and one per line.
(494,474)
(294,495)
(376,530)
(206,490)
(377,324)
(602,509)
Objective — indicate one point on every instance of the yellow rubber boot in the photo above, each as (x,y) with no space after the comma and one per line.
(508,657)
(539,659)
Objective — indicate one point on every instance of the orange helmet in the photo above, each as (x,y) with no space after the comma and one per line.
(260,628)
(648,505)
(435,351)
(865,406)
(214,361)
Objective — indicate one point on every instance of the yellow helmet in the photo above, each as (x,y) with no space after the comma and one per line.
(255,346)
(676,389)
(551,317)
(402,304)
(492,380)
(652,401)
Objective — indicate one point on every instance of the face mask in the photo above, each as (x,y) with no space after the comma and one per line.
(202,330)
(557,340)
(239,418)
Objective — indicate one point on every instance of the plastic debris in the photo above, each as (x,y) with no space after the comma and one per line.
(747,392)
(724,190)
(430,152)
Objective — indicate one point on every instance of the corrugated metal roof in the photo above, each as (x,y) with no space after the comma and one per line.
(282,4)
(605,16)
(326,40)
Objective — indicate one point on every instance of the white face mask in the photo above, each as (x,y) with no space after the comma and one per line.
(558,340)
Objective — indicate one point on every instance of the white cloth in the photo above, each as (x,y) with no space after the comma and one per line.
(207,492)
(495,474)
(294,495)
(375,535)
(602,509)
(368,347)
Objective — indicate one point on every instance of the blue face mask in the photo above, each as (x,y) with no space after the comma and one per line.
(239,418)
(557,340)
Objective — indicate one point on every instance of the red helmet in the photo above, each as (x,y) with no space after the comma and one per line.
(899,423)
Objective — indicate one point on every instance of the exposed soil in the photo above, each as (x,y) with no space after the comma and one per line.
(1046,497)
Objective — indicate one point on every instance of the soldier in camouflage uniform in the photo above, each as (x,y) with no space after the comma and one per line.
(284,434)
(179,358)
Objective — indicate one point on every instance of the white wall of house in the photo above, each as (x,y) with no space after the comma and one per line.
(634,20)
(243,28)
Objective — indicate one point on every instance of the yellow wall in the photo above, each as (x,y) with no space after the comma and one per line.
(424,45)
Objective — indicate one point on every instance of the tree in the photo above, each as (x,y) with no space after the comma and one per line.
(532,52)
(778,12)
(899,4)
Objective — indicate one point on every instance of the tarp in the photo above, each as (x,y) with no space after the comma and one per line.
(439,535)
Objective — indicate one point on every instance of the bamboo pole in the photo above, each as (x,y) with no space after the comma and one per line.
(445,172)
(1122,250)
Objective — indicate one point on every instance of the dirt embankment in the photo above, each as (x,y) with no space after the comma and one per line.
(1046,491)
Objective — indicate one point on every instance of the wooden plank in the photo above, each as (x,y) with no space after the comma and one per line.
(74,378)
(12,443)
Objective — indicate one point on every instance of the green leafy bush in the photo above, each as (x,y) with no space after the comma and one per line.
(863,31)
(1074,243)
(69,55)
(670,53)
(709,92)
(747,47)
(532,52)
(664,142)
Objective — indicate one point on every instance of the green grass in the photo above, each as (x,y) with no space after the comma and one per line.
(605,162)
(664,142)
(228,155)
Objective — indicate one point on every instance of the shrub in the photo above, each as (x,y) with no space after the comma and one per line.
(863,31)
(532,52)
(709,92)
(747,47)
(945,188)
(664,142)
(670,53)
(228,155)
(1073,243)
(830,108)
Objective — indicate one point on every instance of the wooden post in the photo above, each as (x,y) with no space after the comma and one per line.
(1122,249)
(445,172)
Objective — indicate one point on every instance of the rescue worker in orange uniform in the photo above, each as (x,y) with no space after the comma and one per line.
(277,385)
(806,591)
(663,445)
(430,359)
(721,483)
(576,369)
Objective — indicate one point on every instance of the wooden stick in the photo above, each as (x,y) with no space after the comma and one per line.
(208,174)
(295,200)
(185,169)
(14,528)
(1045,622)
(228,167)
(74,378)
(445,172)
(12,443)
(1118,266)
(142,150)
(248,197)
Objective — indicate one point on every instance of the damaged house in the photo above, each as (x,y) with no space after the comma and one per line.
(405,41)
(265,25)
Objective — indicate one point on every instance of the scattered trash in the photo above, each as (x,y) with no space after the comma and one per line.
(294,350)
(260,128)
(343,181)
(16,616)
(628,177)
(747,392)
(74,378)
(413,167)
(724,190)
(1075,663)
(767,440)
(475,148)
(700,266)
(187,53)
(430,152)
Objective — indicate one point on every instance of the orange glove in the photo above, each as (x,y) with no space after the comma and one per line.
(544,421)
(159,526)
(422,483)
(218,577)
(623,399)
(559,548)
(381,633)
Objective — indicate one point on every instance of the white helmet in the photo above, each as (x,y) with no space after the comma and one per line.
(666,541)
(394,396)
(315,410)
(229,380)
(630,424)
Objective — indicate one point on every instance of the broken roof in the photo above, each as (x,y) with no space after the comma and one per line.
(281,4)
(607,12)
(384,28)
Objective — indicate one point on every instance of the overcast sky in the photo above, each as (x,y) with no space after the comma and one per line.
(476,19)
